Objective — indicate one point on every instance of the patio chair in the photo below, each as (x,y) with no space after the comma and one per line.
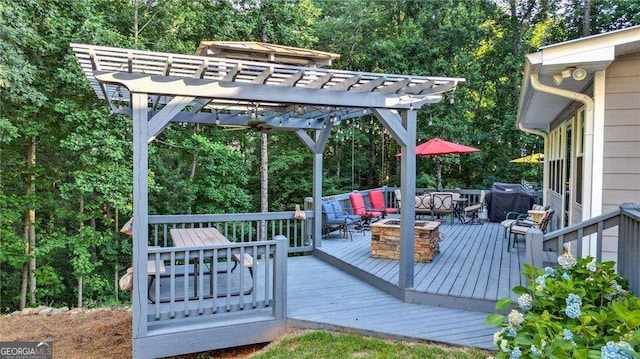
(443,203)
(423,205)
(368,214)
(398,194)
(472,211)
(377,203)
(336,218)
(521,227)
(512,217)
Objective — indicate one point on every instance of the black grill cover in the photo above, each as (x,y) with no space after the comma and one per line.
(507,197)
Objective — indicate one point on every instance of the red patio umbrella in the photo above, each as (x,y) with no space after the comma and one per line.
(436,147)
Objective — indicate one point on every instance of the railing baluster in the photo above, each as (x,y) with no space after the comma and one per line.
(214,273)
(267,280)
(254,284)
(599,239)
(200,284)
(156,259)
(580,244)
(228,289)
(241,275)
(172,294)
(185,277)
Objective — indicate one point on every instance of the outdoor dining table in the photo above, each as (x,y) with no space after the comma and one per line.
(458,208)
(197,237)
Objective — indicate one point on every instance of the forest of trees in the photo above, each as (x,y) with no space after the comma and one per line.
(65,161)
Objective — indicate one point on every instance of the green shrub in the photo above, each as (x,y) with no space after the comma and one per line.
(579,309)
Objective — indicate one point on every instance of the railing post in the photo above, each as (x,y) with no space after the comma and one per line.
(280,282)
(308,206)
(533,245)
(629,245)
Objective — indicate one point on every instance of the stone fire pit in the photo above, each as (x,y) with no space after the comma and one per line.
(385,240)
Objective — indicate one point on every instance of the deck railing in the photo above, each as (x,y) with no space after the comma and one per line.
(214,280)
(473,196)
(239,227)
(626,218)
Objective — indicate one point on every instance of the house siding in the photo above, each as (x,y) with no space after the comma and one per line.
(621,157)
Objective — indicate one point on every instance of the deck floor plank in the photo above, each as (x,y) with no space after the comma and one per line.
(473,262)
(352,303)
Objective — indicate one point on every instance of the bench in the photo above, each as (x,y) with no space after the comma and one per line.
(246,263)
(151,268)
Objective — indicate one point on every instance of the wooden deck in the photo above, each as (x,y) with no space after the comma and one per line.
(322,296)
(472,271)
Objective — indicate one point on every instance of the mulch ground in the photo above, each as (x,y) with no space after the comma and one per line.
(92,334)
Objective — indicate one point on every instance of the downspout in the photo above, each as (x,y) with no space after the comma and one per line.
(588,126)
(545,138)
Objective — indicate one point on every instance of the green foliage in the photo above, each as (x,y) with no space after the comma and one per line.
(83,165)
(579,307)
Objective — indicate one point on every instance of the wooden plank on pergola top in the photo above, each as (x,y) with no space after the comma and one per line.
(228,91)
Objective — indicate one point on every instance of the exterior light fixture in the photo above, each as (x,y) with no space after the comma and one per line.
(299,110)
(577,74)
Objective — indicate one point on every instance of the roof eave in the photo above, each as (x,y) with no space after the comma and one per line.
(592,54)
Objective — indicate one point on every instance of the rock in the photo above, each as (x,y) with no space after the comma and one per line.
(17,312)
(46,311)
(29,311)
(75,311)
(58,311)
(41,308)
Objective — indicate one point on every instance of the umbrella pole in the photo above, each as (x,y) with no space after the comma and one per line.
(438,174)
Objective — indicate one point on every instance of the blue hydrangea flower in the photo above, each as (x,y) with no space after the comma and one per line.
(591,266)
(541,281)
(574,299)
(511,332)
(549,271)
(566,276)
(615,351)
(497,336)
(515,353)
(504,345)
(524,301)
(515,318)
(567,261)
(573,311)
(535,351)
(566,334)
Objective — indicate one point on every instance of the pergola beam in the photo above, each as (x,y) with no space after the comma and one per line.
(180,86)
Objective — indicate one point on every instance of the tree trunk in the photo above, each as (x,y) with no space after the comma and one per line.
(116,265)
(136,22)
(264,182)
(194,164)
(586,18)
(29,268)
(264,154)
(80,275)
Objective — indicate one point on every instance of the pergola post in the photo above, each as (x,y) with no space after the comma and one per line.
(140,117)
(408,192)
(402,127)
(317,200)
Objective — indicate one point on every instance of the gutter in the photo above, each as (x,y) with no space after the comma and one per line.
(588,120)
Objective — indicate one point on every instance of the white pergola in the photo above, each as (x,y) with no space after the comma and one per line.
(155,89)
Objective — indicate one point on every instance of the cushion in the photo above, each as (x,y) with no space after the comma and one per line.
(377,199)
(330,214)
(337,209)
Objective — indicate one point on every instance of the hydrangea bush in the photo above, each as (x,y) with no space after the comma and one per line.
(579,309)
